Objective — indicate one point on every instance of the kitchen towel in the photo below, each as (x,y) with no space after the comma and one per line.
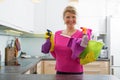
(75,44)
(17,46)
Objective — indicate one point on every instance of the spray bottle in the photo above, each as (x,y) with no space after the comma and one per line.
(84,41)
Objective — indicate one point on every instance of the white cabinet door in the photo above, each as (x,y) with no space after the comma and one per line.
(114,60)
(114,38)
(92,7)
(54,16)
(40,17)
(96,23)
(49,15)
(39,67)
(114,46)
(115,71)
(17,14)
(92,15)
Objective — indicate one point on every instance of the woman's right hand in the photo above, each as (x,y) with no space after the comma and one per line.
(49,35)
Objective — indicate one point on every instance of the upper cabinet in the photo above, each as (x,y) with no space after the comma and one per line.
(37,17)
(90,14)
(17,14)
(113,8)
(49,15)
(40,17)
(54,16)
(92,7)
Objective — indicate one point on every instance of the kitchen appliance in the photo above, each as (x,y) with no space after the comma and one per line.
(114,44)
(103,54)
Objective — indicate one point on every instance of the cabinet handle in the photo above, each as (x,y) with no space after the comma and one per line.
(112,63)
(112,71)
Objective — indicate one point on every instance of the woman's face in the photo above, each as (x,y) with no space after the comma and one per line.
(70,19)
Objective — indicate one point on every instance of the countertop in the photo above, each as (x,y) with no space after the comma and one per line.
(51,58)
(56,77)
(21,65)
(15,69)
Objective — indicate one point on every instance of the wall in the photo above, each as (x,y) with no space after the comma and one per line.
(32,46)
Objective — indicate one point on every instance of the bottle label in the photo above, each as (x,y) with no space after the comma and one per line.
(84,41)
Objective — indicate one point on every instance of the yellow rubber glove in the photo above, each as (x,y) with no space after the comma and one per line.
(51,36)
(52,42)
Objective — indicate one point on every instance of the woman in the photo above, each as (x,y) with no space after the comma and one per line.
(62,53)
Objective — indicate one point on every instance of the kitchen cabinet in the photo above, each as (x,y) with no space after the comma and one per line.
(17,14)
(32,70)
(92,7)
(114,44)
(97,67)
(49,67)
(49,15)
(40,67)
(40,17)
(113,8)
(27,72)
(54,16)
(96,23)
(94,16)
(115,71)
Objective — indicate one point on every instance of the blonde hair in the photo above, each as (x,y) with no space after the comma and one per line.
(69,9)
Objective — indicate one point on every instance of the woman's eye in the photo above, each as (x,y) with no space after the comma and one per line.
(70,17)
(67,16)
(74,17)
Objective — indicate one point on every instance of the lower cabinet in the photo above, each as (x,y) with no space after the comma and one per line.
(49,67)
(32,70)
(40,67)
(27,72)
(97,67)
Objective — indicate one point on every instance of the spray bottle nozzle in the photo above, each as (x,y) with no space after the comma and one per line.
(84,30)
(49,32)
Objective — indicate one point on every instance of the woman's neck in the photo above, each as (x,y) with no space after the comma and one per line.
(69,31)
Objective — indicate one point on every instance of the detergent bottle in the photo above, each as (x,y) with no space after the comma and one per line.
(84,41)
